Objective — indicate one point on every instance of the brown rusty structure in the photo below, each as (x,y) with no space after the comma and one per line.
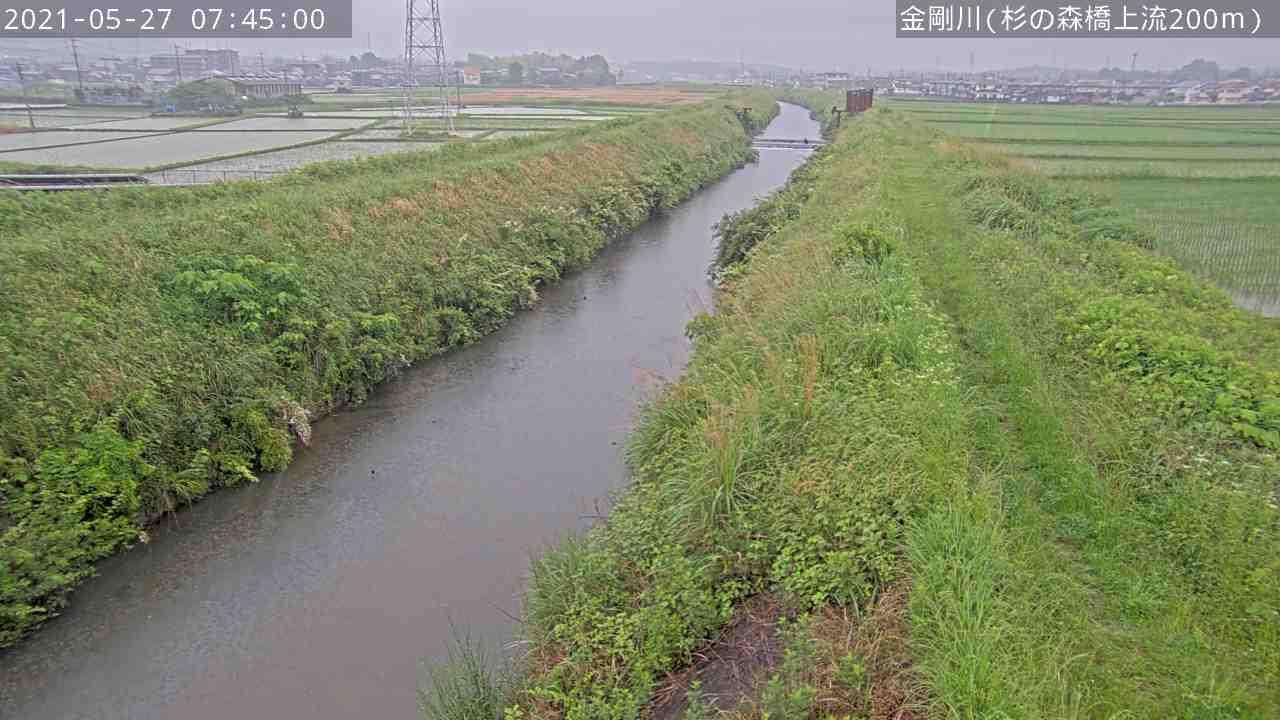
(857,101)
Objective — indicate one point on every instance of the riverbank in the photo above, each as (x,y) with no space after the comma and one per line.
(954,443)
(159,343)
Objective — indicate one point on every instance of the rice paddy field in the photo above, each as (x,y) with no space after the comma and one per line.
(186,150)
(1204,179)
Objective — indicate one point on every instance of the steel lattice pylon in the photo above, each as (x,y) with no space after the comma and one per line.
(424,50)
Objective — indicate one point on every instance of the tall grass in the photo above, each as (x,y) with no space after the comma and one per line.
(158,343)
(939,367)
(469,684)
(818,410)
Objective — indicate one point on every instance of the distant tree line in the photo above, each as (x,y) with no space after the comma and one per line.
(1199,70)
(544,68)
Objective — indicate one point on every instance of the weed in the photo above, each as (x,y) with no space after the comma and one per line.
(789,694)
(469,685)
(150,359)
(942,383)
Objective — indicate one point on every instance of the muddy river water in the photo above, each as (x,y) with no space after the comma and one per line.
(317,592)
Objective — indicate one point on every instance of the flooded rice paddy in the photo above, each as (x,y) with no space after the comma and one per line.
(130,139)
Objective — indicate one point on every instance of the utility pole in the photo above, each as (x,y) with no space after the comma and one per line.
(22,80)
(177,62)
(75,53)
(1133,66)
(262,64)
(457,77)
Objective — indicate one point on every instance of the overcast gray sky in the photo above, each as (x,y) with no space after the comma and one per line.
(811,34)
(849,34)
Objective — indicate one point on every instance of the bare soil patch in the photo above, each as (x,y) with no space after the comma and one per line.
(893,690)
(732,667)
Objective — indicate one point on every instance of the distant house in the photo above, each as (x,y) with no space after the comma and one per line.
(471,76)
(1235,91)
(548,75)
(260,87)
(162,77)
(369,78)
(306,69)
(833,80)
(1200,94)
(189,65)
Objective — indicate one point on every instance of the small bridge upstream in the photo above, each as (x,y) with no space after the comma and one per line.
(788,143)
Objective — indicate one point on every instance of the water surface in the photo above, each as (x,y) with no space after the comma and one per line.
(315,593)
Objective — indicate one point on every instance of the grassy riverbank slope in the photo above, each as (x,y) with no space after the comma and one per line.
(158,343)
(1201,177)
(955,444)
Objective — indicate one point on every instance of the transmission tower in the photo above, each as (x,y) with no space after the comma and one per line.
(424,49)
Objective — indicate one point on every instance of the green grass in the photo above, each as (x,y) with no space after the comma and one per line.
(470,684)
(157,343)
(1135,169)
(1108,561)
(1118,134)
(928,366)
(1199,177)
(1194,154)
(1099,113)
(17,168)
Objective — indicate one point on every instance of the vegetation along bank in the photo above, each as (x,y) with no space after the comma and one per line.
(955,443)
(158,343)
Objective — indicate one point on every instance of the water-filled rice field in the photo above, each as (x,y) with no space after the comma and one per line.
(130,139)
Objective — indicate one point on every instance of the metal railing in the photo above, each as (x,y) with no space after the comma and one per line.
(195,176)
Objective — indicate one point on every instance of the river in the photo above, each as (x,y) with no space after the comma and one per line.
(317,592)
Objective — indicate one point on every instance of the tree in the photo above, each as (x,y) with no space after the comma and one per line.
(515,73)
(1200,70)
(211,93)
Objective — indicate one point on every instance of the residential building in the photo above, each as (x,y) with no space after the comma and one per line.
(226,62)
(260,87)
(188,65)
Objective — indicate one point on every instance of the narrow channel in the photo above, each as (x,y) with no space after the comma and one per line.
(316,592)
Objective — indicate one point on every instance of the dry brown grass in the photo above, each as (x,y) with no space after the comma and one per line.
(733,668)
(339,224)
(893,690)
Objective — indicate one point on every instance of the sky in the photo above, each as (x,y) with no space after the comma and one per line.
(849,35)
